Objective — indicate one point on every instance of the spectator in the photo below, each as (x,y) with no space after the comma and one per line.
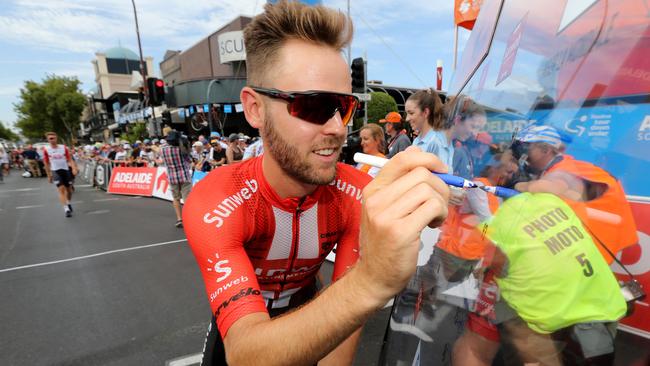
(121,153)
(134,157)
(178,169)
(234,153)
(147,155)
(4,163)
(372,143)
(217,156)
(254,149)
(399,139)
(31,159)
(111,154)
(424,111)
(200,158)
(468,121)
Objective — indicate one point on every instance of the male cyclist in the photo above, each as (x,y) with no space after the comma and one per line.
(260,229)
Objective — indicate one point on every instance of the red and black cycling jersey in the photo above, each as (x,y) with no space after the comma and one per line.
(255,249)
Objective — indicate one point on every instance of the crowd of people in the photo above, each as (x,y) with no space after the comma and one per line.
(205,153)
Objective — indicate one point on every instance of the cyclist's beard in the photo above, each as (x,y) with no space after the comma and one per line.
(293,162)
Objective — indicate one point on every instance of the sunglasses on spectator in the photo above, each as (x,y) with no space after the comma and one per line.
(315,106)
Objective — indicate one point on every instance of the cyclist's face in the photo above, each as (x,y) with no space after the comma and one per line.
(305,151)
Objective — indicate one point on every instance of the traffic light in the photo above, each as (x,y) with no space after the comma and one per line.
(156,88)
(358,68)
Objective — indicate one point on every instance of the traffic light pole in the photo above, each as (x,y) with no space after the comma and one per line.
(365,86)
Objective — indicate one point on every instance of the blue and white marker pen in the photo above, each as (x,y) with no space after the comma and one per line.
(378,162)
(500,191)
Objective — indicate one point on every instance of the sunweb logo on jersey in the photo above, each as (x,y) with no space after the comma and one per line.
(219,267)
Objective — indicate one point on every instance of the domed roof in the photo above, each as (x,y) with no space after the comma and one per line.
(121,53)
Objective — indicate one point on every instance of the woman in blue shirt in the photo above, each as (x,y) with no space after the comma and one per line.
(424,113)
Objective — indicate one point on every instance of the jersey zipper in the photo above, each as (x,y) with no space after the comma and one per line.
(296,242)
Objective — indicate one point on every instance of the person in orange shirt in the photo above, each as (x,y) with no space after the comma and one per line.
(596,196)
(372,143)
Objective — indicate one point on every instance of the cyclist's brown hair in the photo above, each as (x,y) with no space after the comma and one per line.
(287,20)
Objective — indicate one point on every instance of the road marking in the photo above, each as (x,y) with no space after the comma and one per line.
(92,255)
(82,185)
(19,190)
(32,206)
(76,202)
(98,212)
(105,199)
(186,360)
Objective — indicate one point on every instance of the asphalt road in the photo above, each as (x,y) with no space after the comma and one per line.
(115,284)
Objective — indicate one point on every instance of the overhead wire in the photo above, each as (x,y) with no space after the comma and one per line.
(397,56)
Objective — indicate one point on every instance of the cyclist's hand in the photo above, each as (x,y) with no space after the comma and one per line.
(397,205)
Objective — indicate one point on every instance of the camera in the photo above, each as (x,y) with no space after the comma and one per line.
(632,291)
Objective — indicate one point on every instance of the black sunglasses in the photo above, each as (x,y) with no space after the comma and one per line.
(315,106)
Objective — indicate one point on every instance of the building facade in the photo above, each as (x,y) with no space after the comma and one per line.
(204,81)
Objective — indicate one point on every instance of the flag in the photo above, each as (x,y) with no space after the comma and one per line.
(466,12)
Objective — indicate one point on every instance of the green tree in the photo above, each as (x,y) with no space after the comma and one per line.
(7,134)
(136,132)
(55,104)
(380,104)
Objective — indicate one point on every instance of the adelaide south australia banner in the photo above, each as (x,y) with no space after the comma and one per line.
(132,181)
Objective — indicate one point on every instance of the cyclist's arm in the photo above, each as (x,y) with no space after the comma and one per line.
(308,334)
(71,162)
(46,162)
(399,203)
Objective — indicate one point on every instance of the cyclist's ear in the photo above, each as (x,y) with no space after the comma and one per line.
(253,107)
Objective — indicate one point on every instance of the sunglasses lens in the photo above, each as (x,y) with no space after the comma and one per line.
(319,108)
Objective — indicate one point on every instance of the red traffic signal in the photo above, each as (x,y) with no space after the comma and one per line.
(156,89)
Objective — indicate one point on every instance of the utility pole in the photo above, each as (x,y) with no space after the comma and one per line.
(143,70)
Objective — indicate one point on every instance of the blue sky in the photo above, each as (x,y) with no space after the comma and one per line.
(402,39)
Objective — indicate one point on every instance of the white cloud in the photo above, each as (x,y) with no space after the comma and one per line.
(86,26)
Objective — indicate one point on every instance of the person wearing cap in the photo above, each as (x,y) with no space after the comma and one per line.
(217,155)
(200,157)
(584,186)
(234,153)
(399,139)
